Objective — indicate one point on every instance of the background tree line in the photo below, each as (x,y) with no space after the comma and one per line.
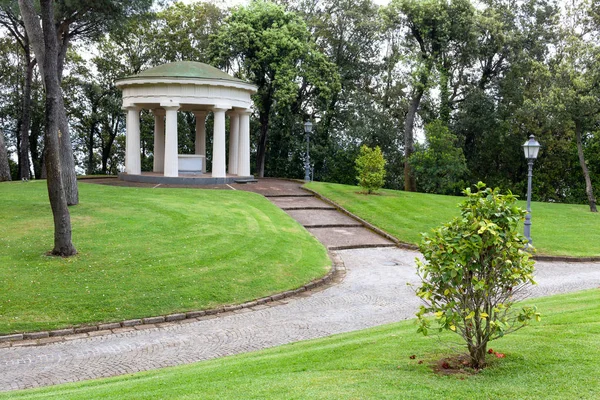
(448,89)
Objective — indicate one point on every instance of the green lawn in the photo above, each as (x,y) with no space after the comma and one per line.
(554,359)
(558,229)
(145,252)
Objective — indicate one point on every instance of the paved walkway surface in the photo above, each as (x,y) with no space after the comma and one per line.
(373,292)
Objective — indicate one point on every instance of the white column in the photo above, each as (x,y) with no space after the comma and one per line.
(201,136)
(234,135)
(133,164)
(244,144)
(171,160)
(218,154)
(159,140)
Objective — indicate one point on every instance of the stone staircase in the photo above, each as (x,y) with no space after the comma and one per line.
(336,230)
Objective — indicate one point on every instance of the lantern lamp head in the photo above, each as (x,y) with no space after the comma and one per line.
(531,148)
(308,127)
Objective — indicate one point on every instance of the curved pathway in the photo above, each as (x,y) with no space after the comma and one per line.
(373,292)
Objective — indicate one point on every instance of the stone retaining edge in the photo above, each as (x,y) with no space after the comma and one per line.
(410,246)
(565,258)
(39,338)
(92,177)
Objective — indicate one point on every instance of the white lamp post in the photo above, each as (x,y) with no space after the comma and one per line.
(307,130)
(531,149)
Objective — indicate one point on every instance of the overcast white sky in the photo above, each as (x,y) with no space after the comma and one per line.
(236,2)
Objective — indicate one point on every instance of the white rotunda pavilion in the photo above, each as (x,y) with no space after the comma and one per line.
(201,89)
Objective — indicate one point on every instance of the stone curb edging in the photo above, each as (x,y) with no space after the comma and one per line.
(317,226)
(276,196)
(362,246)
(335,274)
(302,208)
(411,246)
(565,258)
(93,177)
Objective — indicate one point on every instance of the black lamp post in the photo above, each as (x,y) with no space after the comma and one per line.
(531,149)
(307,130)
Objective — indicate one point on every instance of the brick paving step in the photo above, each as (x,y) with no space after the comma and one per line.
(270,196)
(246,180)
(322,218)
(349,238)
(275,188)
(357,225)
(288,203)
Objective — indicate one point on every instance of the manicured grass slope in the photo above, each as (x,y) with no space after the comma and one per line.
(554,359)
(145,252)
(558,229)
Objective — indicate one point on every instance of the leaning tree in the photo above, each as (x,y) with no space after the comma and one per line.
(73,19)
(50,28)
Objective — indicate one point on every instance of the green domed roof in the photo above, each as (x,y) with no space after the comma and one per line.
(186,69)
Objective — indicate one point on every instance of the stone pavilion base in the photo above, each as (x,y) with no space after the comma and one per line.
(192,179)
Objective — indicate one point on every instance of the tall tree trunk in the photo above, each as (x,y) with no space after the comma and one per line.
(410,184)
(104,167)
(586,173)
(33,31)
(90,160)
(37,37)
(107,147)
(261,149)
(18,140)
(63,245)
(445,106)
(330,114)
(44,173)
(67,160)
(24,167)
(69,177)
(36,155)
(4,165)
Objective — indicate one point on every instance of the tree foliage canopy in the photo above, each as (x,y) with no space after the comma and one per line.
(439,165)
(493,72)
(273,48)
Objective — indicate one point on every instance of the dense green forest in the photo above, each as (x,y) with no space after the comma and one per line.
(448,89)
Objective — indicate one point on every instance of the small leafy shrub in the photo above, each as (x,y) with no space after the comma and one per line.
(370,166)
(476,268)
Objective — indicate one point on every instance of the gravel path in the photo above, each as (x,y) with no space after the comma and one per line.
(373,292)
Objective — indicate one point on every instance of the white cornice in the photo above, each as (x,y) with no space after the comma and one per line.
(150,81)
